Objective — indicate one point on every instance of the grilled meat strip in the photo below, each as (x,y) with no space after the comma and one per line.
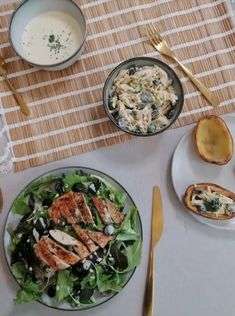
(102,210)
(99,238)
(85,238)
(43,253)
(65,255)
(117,216)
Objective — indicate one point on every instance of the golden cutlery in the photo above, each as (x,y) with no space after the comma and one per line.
(1,200)
(19,99)
(156,232)
(162,47)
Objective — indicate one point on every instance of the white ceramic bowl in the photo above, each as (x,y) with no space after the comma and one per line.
(30,9)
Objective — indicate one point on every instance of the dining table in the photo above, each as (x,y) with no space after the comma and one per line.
(194,263)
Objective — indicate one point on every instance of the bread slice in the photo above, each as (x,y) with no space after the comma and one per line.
(210,200)
(214,140)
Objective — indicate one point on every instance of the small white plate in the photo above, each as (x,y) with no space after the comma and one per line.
(188,168)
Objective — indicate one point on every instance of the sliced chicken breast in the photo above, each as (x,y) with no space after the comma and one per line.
(43,253)
(99,238)
(116,216)
(62,253)
(91,246)
(81,250)
(83,207)
(102,210)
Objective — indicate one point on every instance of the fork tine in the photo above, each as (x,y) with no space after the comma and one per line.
(156,31)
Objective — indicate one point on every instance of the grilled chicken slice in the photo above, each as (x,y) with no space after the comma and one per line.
(116,216)
(65,255)
(43,253)
(83,207)
(65,207)
(91,246)
(99,238)
(81,250)
(102,210)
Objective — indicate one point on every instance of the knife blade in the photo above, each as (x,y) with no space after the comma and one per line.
(156,232)
(1,200)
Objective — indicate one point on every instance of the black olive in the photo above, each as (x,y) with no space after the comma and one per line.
(170,113)
(132,70)
(78,187)
(47,202)
(31,202)
(59,187)
(51,291)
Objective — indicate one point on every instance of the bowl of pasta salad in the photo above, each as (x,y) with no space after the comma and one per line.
(143,96)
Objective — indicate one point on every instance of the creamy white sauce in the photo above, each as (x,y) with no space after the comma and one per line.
(51,37)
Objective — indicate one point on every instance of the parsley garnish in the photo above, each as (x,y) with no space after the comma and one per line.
(213,205)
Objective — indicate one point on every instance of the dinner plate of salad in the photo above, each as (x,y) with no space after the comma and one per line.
(72,239)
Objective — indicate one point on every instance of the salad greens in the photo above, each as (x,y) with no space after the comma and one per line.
(109,268)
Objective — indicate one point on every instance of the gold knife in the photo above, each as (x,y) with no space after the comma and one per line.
(1,200)
(156,232)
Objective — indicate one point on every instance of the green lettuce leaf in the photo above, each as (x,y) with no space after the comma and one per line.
(20,206)
(41,184)
(133,255)
(28,292)
(15,239)
(90,280)
(71,178)
(109,283)
(64,285)
(18,270)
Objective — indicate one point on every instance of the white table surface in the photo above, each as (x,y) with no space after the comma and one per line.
(194,264)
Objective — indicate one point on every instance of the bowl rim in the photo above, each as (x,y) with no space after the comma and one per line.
(162,65)
(21,4)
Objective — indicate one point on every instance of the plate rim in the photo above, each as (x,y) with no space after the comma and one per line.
(82,307)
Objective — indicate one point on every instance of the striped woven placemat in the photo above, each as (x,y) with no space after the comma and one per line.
(67,115)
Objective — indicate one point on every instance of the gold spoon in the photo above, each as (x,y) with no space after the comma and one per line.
(19,99)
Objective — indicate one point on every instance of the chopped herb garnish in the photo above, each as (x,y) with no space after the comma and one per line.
(51,38)
(213,205)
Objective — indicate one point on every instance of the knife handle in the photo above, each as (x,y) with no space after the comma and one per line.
(149,287)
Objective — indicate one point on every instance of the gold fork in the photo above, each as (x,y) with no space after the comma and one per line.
(162,47)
